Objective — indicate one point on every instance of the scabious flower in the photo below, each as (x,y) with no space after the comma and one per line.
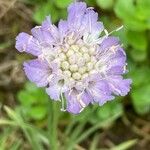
(77,65)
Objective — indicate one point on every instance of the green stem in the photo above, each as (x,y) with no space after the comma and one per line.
(52,125)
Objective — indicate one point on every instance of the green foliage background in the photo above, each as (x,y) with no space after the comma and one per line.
(33,104)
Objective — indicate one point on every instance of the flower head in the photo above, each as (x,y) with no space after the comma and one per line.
(73,61)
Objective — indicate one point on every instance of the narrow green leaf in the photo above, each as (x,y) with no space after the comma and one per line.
(125,145)
(16,145)
(95,142)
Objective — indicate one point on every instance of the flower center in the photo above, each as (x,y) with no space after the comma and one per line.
(77,61)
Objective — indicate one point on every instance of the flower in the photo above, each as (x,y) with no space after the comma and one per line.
(74,61)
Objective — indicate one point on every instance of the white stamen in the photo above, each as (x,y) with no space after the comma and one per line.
(89,66)
(86,57)
(82,69)
(81,62)
(62,102)
(76,76)
(62,56)
(74,68)
(72,59)
(75,48)
(116,30)
(84,49)
(70,53)
(67,73)
(92,51)
(106,32)
(84,75)
(65,65)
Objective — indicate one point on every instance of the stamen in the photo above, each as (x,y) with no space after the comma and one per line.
(70,92)
(116,30)
(62,102)
(119,28)
(83,105)
(106,32)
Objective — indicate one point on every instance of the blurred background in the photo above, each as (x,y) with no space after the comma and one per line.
(28,119)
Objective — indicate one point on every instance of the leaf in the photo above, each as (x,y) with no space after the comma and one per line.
(38,112)
(141,99)
(31,133)
(95,142)
(7,122)
(62,4)
(137,55)
(33,102)
(84,115)
(143,9)
(5,45)
(6,134)
(124,9)
(32,95)
(105,4)
(62,14)
(44,10)
(90,3)
(125,145)
(136,25)
(16,145)
(31,87)
(138,40)
(113,109)
(109,109)
(139,75)
(127,11)
(26,98)
(13,115)
(89,131)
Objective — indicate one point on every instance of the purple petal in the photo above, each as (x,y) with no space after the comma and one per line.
(119,57)
(56,85)
(26,43)
(91,24)
(38,72)
(118,85)
(109,41)
(47,33)
(86,98)
(113,60)
(63,27)
(46,24)
(73,105)
(75,15)
(54,91)
(117,62)
(44,37)
(116,70)
(99,90)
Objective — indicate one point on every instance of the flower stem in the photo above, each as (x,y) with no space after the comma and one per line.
(52,124)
